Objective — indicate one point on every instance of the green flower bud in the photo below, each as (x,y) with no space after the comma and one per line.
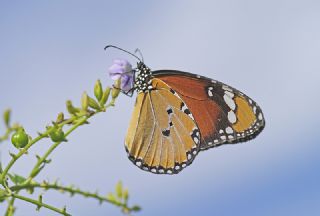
(20,139)
(60,117)
(105,96)
(125,195)
(119,189)
(71,109)
(98,92)
(93,104)
(85,101)
(116,90)
(6,117)
(112,198)
(57,135)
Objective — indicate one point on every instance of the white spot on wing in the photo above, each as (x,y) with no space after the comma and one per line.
(227,88)
(229,94)
(232,117)
(229,130)
(229,101)
(260,116)
(210,93)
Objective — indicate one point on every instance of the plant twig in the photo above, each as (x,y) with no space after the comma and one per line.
(40,204)
(29,145)
(10,208)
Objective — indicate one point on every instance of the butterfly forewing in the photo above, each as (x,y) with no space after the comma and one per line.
(162,136)
(222,113)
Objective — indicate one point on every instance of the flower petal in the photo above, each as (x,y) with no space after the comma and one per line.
(126,83)
(121,68)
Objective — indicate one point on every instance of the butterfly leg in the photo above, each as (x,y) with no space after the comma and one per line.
(129,93)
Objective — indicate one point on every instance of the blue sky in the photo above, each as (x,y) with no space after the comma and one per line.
(53,51)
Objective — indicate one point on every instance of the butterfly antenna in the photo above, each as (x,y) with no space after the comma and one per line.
(139,52)
(112,46)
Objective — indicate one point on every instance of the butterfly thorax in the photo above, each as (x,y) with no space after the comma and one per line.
(143,78)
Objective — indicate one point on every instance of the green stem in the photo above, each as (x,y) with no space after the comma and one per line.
(17,156)
(60,188)
(10,208)
(78,120)
(34,172)
(40,204)
(25,149)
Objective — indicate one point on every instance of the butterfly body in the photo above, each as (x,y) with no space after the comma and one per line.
(178,114)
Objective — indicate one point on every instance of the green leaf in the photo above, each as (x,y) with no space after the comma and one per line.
(136,208)
(17,179)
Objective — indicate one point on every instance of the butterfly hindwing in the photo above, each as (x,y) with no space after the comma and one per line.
(222,113)
(162,136)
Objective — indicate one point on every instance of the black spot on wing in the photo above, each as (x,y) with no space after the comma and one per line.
(166,132)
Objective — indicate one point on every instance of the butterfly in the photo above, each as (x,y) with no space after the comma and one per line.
(179,114)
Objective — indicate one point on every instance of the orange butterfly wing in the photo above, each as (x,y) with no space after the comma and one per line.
(222,113)
(161,138)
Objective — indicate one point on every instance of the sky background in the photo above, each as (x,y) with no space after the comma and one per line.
(51,51)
